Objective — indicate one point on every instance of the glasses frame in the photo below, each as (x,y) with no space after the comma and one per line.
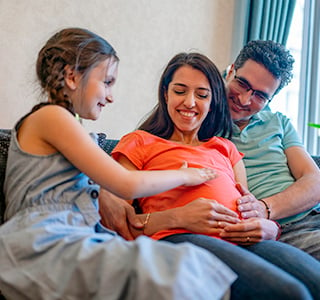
(246,87)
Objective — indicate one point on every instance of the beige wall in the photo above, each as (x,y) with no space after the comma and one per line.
(145,33)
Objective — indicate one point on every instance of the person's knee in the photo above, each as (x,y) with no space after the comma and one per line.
(294,289)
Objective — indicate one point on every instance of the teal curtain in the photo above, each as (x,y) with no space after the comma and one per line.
(309,105)
(261,20)
(269,20)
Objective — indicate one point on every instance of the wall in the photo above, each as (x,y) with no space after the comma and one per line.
(146,34)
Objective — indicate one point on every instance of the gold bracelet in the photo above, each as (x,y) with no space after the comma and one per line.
(146,220)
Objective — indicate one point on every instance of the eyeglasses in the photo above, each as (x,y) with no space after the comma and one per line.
(242,86)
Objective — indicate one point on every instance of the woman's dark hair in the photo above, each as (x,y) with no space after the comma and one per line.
(218,120)
(272,55)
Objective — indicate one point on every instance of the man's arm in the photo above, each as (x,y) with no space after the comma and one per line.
(304,193)
(118,215)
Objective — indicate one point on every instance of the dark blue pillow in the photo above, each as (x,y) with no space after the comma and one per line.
(5,135)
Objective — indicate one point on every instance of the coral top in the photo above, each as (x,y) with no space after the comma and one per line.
(150,152)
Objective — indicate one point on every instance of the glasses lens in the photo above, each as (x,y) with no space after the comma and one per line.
(259,98)
(243,87)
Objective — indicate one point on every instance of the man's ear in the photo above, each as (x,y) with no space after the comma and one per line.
(70,78)
(229,71)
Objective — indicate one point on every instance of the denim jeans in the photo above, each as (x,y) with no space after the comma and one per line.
(304,234)
(267,270)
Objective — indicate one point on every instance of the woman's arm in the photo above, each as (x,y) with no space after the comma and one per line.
(205,216)
(202,215)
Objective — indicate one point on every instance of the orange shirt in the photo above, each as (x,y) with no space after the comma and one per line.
(150,152)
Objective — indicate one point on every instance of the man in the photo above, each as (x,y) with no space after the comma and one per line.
(281,174)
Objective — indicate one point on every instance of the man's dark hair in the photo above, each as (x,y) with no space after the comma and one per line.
(272,55)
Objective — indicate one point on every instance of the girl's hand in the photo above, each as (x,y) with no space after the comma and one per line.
(196,176)
(250,231)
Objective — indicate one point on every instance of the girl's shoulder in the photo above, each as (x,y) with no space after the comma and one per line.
(46,113)
(47,129)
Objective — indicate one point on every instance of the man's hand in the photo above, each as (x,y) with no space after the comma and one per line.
(117,214)
(249,206)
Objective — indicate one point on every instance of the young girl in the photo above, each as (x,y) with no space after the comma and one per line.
(52,245)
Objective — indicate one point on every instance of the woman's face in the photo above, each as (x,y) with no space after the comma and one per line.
(188,99)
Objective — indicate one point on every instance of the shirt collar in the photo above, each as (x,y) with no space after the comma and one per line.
(261,116)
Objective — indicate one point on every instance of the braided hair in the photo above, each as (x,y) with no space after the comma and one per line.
(78,48)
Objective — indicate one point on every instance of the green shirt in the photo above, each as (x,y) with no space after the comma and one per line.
(263,142)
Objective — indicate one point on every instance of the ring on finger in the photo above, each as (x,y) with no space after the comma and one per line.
(219,223)
(248,239)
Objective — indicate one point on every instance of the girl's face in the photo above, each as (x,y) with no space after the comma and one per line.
(95,92)
(188,99)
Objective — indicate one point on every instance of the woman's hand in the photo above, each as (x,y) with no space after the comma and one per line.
(204,216)
(250,231)
(249,206)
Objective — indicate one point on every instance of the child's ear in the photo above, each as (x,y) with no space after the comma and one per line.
(70,77)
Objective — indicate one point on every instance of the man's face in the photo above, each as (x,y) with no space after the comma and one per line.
(249,90)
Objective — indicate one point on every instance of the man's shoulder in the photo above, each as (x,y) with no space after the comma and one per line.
(268,116)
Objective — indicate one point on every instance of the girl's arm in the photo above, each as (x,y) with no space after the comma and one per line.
(52,128)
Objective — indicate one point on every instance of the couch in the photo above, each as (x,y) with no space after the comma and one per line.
(5,134)
(106,144)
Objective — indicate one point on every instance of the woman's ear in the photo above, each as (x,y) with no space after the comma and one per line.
(70,78)
(165,94)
